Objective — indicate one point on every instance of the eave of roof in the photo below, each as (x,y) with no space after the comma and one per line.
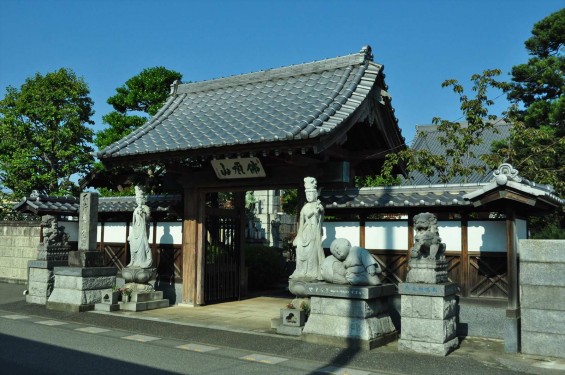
(42,205)
(290,106)
(399,197)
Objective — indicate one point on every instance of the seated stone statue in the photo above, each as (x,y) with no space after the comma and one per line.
(427,243)
(350,265)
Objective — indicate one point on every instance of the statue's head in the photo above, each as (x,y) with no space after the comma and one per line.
(340,248)
(311,189)
(139,196)
(424,221)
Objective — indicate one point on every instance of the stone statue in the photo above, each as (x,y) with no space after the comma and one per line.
(55,245)
(427,243)
(427,263)
(308,241)
(52,233)
(139,245)
(350,265)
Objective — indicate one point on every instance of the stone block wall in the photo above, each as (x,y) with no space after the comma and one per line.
(542,294)
(18,245)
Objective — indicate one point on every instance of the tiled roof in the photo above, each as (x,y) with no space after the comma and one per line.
(429,140)
(42,205)
(426,196)
(294,103)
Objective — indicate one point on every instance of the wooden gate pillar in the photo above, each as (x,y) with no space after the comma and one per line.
(239,202)
(192,247)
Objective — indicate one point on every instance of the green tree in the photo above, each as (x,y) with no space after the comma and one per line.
(141,96)
(537,143)
(44,134)
(457,138)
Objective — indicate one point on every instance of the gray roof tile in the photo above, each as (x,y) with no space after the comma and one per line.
(291,103)
(42,205)
(431,142)
(399,196)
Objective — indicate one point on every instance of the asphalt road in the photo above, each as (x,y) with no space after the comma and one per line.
(88,343)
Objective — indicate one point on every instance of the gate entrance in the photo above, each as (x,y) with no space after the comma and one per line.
(222,256)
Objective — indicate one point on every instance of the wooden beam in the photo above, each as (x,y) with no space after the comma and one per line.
(362,220)
(190,238)
(464,254)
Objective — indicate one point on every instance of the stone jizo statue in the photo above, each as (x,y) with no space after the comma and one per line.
(139,245)
(427,242)
(350,265)
(308,241)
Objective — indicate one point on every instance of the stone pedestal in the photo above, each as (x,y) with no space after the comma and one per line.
(78,289)
(428,318)
(41,280)
(430,271)
(83,258)
(349,316)
(146,300)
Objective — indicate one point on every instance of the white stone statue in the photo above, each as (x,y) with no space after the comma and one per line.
(139,245)
(350,265)
(308,241)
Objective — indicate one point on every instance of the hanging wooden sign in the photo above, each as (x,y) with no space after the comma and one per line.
(238,168)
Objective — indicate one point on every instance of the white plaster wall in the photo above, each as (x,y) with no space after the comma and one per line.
(386,235)
(487,236)
(450,233)
(522,229)
(71,228)
(169,233)
(114,232)
(342,229)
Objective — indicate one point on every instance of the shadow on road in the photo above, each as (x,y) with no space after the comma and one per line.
(24,357)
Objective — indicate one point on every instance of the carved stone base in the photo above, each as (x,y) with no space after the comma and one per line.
(428,318)
(83,258)
(349,316)
(40,282)
(78,289)
(53,252)
(138,275)
(429,271)
(141,301)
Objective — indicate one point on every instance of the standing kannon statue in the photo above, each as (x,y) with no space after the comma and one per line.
(138,242)
(308,241)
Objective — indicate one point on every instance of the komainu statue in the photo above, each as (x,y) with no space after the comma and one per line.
(427,242)
(427,263)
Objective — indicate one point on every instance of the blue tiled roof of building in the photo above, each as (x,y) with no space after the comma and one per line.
(293,103)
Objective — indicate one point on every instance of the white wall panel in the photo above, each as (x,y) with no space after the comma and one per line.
(487,236)
(390,235)
(342,229)
(115,232)
(71,228)
(169,233)
(450,233)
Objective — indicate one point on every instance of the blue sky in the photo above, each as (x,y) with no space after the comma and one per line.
(420,43)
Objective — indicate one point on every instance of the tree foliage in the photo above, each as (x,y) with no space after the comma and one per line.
(44,134)
(140,97)
(537,144)
(458,138)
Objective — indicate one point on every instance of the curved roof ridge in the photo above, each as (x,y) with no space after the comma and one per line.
(275,73)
